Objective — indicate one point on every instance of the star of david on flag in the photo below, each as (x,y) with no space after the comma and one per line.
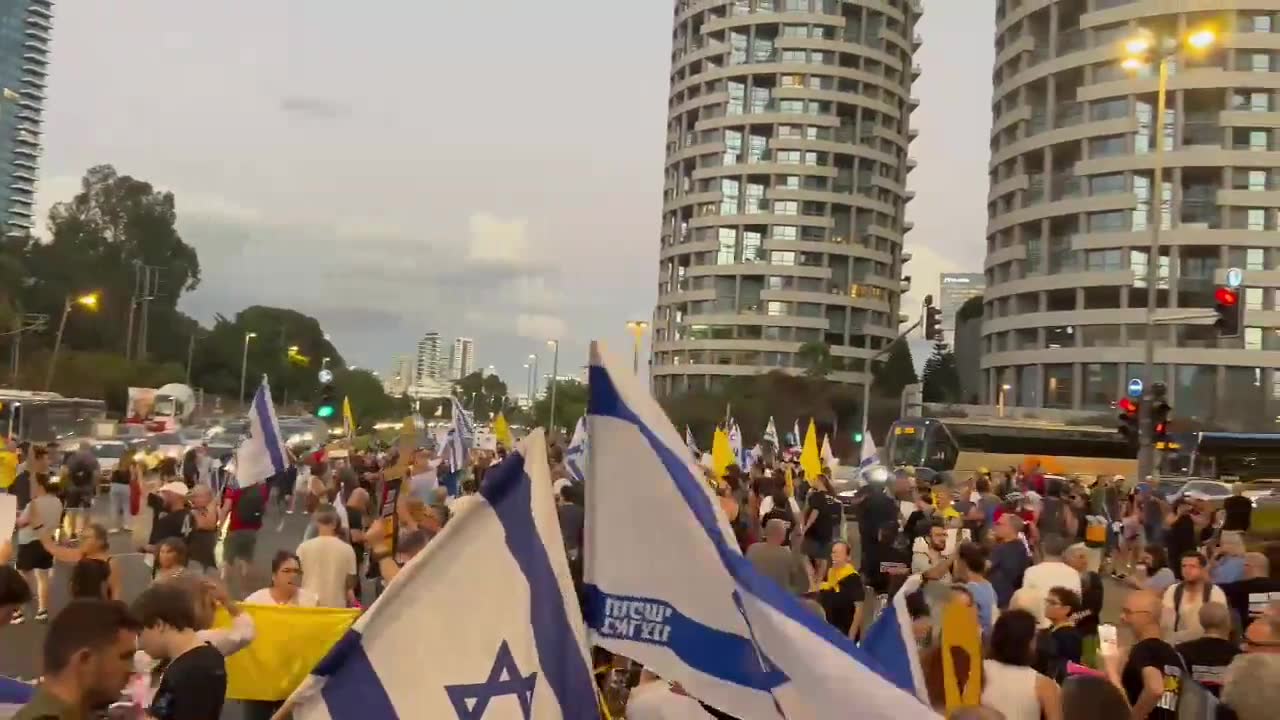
(471,701)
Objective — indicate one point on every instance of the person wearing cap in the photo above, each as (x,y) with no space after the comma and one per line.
(172,518)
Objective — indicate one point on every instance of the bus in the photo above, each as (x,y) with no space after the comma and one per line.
(1236,457)
(965,444)
(41,417)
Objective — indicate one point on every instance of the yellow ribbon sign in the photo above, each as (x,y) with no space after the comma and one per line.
(961,656)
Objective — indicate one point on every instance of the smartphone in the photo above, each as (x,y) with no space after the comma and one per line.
(1107,642)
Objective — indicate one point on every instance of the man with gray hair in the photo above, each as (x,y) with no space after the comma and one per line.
(773,559)
(1252,689)
(328,562)
(1208,656)
(1250,596)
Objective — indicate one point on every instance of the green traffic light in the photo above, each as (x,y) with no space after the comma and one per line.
(857,437)
(325,411)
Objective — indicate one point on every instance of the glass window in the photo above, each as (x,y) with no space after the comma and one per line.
(751,242)
(1057,386)
(1257,180)
(774,307)
(782,257)
(1108,146)
(1106,184)
(726,253)
(1110,221)
(1253,298)
(1255,259)
(1256,219)
(784,232)
(1253,338)
(1101,381)
(786,207)
(1103,260)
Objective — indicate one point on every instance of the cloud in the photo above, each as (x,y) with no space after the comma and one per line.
(540,327)
(312,107)
(495,241)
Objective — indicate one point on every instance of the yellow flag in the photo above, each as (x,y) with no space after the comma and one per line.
(721,453)
(8,468)
(348,420)
(502,432)
(809,460)
(961,656)
(288,643)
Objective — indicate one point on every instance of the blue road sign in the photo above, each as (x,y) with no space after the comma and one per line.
(1235,276)
(1135,388)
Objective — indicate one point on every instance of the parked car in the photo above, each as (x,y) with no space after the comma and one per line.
(108,453)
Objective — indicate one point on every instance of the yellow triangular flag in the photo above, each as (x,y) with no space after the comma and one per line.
(809,460)
(502,432)
(348,420)
(721,453)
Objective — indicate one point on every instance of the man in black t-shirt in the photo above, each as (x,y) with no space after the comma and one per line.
(1249,598)
(1152,676)
(1207,657)
(1238,509)
(194,684)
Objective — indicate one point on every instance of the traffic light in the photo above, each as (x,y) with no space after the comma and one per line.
(1128,427)
(1159,414)
(328,406)
(1228,307)
(857,437)
(933,324)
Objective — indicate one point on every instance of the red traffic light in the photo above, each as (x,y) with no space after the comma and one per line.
(1127,406)
(1226,296)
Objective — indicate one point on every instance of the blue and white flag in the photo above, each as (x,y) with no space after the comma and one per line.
(735,444)
(483,623)
(796,438)
(462,436)
(575,456)
(771,434)
(891,642)
(262,454)
(675,594)
(870,456)
(13,695)
(693,446)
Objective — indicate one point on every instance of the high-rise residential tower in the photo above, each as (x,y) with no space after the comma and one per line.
(1071,206)
(953,290)
(783,216)
(430,361)
(462,358)
(26,28)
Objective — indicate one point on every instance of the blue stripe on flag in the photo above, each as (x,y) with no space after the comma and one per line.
(604,399)
(352,688)
(884,641)
(269,435)
(507,488)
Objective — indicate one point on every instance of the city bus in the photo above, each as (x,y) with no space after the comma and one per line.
(963,445)
(42,417)
(1236,457)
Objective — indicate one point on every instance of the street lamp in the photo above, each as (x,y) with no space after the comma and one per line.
(533,377)
(324,363)
(637,328)
(555,367)
(1139,51)
(88,301)
(1003,389)
(244,362)
(528,384)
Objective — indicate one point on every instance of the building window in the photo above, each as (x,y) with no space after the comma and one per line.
(726,253)
(782,257)
(1253,298)
(1057,386)
(1253,338)
(1108,146)
(784,232)
(1110,221)
(1107,184)
(1104,260)
(774,307)
(1255,259)
(786,207)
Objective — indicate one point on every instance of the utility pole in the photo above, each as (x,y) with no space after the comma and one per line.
(150,288)
(191,353)
(28,322)
(133,308)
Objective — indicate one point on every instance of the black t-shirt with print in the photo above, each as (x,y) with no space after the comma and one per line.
(167,524)
(193,687)
(1207,658)
(1160,655)
(824,525)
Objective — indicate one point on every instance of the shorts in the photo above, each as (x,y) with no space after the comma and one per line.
(815,549)
(79,498)
(284,485)
(239,545)
(33,556)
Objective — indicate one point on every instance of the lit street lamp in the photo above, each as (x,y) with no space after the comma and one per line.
(1139,51)
(88,301)
(555,367)
(244,362)
(533,378)
(637,328)
(528,384)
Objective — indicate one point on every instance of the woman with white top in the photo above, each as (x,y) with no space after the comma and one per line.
(286,584)
(1010,685)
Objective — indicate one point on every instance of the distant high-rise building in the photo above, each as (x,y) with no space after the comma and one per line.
(463,358)
(26,27)
(955,288)
(429,364)
(785,195)
(400,378)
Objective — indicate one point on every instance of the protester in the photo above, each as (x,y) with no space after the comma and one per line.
(1088,697)
(41,516)
(1182,537)
(1092,600)
(1152,673)
(1250,596)
(1061,607)
(82,471)
(655,699)
(1252,688)
(1263,635)
(329,569)
(571,511)
(94,574)
(927,560)
(1208,656)
(285,587)
(125,479)
(14,590)
(245,508)
(172,558)
(1009,559)
(1227,565)
(194,682)
(1152,571)
(842,593)
(1239,510)
(972,566)
(1182,601)
(820,525)
(357,517)
(170,516)
(778,562)
(88,659)
(1010,684)
(1051,572)
(202,541)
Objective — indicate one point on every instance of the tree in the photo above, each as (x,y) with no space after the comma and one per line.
(816,358)
(369,402)
(972,308)
(571,404)
(896,372)
(484,394)
(941,378)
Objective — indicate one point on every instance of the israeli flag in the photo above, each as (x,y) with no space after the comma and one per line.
(735,445)
(13,695)
(870,456)
(771,434)
(520,649)
(693,446)
(675,594)
(262,454)
(796,437)
(890,641)
(575,456)
(462,436)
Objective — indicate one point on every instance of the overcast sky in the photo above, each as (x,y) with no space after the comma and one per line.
(490,169)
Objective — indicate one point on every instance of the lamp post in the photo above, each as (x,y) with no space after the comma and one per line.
(637,328)
(1000,397)
(88,301)
(244,363)
(1138,54)
(555,368)
(533,377)
(528,384)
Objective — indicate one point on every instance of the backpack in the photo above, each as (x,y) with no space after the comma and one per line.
(250,507)
(1177,602)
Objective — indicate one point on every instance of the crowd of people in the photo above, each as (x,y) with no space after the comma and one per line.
(1034,557)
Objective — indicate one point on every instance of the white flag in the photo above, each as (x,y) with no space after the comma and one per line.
(262,454)
(575,456)
(771,434)
(483,623)
(828,458)
(870,456)
(675,594)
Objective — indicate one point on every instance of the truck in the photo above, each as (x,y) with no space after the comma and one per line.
(166,408)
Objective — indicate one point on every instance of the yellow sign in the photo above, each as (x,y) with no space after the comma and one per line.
(908,430)
(961,656)
(288,644)
(8,468)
